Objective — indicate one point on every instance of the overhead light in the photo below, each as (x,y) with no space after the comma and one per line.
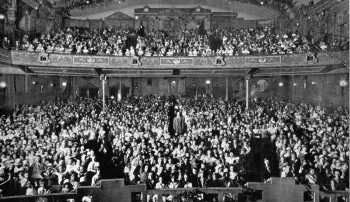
(2,84)
(343,83)
(208,81)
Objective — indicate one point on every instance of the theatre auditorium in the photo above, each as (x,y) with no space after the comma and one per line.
(174,101)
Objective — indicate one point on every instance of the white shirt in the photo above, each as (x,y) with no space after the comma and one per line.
(160,185)
(188,185)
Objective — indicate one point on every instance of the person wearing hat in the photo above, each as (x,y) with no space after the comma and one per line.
(18,166)
(67,186)
(30,190)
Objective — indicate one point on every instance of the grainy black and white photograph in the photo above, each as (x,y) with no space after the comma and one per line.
(174,101)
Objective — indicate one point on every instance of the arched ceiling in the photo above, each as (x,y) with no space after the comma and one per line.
(244,10)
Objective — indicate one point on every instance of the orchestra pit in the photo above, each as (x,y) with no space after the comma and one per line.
(174,101)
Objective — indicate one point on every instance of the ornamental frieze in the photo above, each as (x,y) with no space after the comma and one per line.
(68,60)
(176,61)
(90,60)
(263,59)
(60,59)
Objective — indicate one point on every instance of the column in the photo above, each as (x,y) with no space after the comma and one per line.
(196,96)
(26,80)
(177,87)
(103,78)
(226,89)
(75,88)
(247,93)
(130,93)
(10,92)
(169,86)
(209,87)
(120,90)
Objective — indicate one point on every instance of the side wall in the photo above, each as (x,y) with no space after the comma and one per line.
(323,90)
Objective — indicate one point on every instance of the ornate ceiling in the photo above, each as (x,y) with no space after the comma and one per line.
(247,11)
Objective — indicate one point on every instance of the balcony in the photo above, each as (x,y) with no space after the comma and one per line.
(68,64)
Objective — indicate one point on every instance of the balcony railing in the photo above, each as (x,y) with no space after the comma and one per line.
(215,192)
(115,190)
(24,58)
(331,196)
(55,197)
(335,196)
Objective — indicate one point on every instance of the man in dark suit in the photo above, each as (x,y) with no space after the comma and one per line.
(179,124)
(171,116)
(141,31)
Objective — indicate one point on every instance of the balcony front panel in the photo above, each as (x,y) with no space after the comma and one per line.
(68,60)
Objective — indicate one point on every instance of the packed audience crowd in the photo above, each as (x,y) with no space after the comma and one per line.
(320,25)
(59,146)
(119,42)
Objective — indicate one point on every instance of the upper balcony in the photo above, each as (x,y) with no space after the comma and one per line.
(69,64)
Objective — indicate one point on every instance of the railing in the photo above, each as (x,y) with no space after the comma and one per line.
(332,196)
(56,197)
(335,196)
(278,189)
(24,58)
(214,192)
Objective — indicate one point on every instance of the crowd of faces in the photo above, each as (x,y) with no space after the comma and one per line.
(44,148)
(42,152)
(128,42)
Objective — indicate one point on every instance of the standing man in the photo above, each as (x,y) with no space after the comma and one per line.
(171,117)
(179,124)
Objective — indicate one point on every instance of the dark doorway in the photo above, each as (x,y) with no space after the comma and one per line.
(2,96)
(113,91)
(88,92)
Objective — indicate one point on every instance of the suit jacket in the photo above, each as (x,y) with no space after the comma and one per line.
(179,125)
